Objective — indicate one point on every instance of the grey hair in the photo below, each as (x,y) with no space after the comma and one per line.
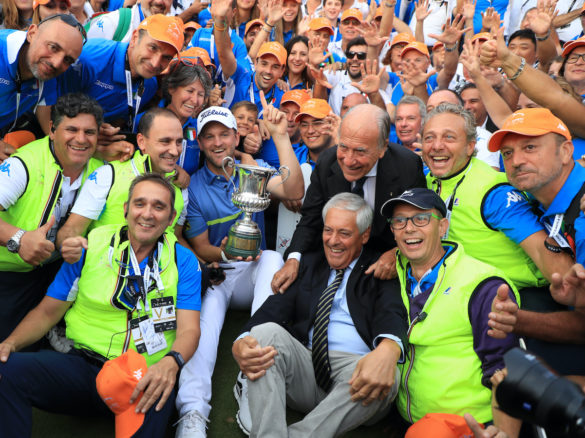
(382,119)
(413,100)
(352,202)
(458,110)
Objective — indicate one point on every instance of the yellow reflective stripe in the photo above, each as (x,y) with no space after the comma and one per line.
(222,220)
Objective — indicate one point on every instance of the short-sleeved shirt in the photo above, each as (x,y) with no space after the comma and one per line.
(188,287)
(100,72)
(507,210)
(106,25)
(302,153)
(398,93)
(211,207)
(32,91)
(204,38)
(561,204)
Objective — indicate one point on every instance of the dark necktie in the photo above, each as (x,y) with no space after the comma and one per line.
(320,351)
(358,188)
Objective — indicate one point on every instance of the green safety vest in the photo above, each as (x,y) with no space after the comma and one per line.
(93,322)
(37,204)
(468,226)
(442,373)
(123,175)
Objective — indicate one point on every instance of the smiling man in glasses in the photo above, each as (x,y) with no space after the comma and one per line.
(30,61)
(449,297)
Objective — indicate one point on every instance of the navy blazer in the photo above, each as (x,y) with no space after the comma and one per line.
(375,305)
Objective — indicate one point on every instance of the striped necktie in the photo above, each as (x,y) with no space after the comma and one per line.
(320,351)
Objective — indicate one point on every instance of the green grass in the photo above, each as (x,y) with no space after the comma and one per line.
(224,407)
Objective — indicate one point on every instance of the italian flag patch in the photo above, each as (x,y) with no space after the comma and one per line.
(191,134)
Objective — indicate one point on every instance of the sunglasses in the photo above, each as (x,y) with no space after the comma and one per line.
(68,19)
(190,62)
(359,55)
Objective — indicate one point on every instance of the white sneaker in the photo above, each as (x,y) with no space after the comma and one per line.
(243,416)
(58,340)
(192,425)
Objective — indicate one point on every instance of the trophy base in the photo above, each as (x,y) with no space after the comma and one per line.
(244,240)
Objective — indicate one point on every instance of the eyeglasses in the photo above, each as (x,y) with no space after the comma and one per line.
(189,62)
(573,58)
(419,220)
(317,124)
(68,19)
(359,55)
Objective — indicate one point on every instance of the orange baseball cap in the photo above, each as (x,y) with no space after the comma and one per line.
(273,48)
(379,12)
(439,426)
(37,3)
(296,96)
(321,23)
(437,45)
(401,38)
(19,138)
(165,29)
(482,36)
(197,52)
(572,45)
(252,23)
(531,122)
(191,25)
(416,45)
(352,13)
(317,108)
(115,384)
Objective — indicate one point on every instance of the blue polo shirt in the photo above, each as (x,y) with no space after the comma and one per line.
(204,38)
(11,42)
(578,147)
(203,17)
(242,86)
(560,205)
(398,93)
(100,73)
(188,287)
(210,206)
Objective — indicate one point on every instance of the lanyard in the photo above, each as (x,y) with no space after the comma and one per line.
(132,111)
(18,83)
(151,272)
(270,98)
(450,201)
(554,231)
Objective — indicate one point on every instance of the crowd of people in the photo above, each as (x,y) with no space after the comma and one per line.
(425,215)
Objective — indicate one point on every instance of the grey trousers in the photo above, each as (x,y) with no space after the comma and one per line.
(291,381)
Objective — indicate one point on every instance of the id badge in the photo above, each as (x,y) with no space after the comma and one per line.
(137,334)
(154,342)
(163,314)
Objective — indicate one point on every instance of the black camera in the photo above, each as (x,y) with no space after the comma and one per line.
(535,393)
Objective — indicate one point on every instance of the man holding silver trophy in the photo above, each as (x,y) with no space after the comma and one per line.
(221,191)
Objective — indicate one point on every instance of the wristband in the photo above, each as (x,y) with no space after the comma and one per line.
(520,69)
(224,257)
(543,38)
(218,27)
(267,29)
(453,48)
(552,248)
(389,5)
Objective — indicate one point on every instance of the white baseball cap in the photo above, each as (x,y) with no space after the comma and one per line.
(216,114)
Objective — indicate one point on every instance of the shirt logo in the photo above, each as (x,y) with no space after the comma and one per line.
(5,167)
(4,81)
(104,85)
(447,291)
(100,24)
(93,177)
(513,197)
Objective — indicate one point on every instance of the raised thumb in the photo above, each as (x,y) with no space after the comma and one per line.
(45,228)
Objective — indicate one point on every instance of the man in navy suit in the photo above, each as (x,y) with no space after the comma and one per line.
(329,346)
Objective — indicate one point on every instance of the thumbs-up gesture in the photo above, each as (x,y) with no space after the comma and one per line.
(274,120)
(215,98)
(34,246)
(502,318)
(252,142)
(72,248)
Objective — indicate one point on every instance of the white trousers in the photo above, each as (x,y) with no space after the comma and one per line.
(247,284)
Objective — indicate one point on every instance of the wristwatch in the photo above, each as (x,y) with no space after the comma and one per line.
(178,358)
(13,244)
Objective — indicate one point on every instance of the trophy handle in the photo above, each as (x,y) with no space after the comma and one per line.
(280,172)
(230,163)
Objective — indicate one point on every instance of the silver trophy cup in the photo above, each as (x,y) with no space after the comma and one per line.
(245,237)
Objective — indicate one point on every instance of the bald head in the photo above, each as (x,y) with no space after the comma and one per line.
(442,96)
(350,101)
